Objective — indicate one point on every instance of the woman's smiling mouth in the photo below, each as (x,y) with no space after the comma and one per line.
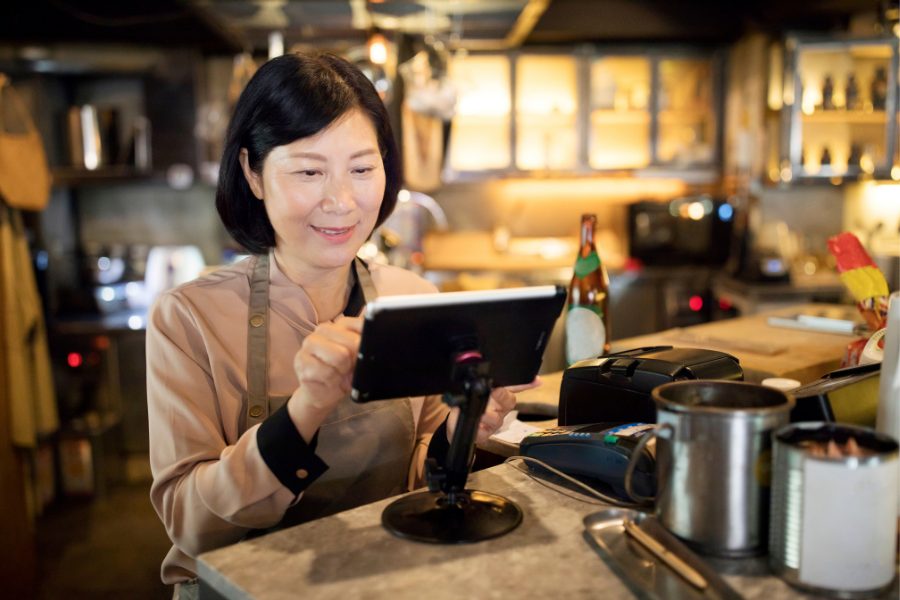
(337,234)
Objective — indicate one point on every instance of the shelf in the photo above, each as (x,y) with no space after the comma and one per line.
(546,118)
(843,172)
(881,51)
(620,117)
(74,176)
(854,117)
(684,116)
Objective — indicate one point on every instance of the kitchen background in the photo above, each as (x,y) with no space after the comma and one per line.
(720,145)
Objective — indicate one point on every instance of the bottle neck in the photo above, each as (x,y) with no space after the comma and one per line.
(587,238)
(588,261)
(587,232)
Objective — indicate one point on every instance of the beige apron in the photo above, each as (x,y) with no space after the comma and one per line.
(24,176)
(367,447)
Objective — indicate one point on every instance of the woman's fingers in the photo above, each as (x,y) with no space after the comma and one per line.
(515,389)
(332,346)
(503,398)
(500,403)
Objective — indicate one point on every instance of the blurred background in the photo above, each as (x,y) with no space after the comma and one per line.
(720,145)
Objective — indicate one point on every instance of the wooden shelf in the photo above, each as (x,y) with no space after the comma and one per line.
(844,172)
(74,176)
(490,119)
(850,117)
(684,116)
(546,118)
(620,117)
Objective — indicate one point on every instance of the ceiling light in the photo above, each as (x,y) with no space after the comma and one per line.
(276,44)
(377,46)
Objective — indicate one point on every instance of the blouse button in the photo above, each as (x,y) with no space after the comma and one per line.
(255,411)
(257,320)
(302,473)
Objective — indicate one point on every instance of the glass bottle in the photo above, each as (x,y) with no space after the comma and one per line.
(879,89)
(855,155)
(828,93)
(587,314)
(851,94)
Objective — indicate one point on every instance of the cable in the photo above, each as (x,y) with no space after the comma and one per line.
(588,489)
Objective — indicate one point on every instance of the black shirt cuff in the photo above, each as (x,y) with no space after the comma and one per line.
(287,454)
(438,446)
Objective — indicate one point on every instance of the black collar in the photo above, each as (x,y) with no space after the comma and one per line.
(357,300)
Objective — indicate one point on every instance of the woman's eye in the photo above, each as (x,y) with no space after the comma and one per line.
(308,172)
(363,170)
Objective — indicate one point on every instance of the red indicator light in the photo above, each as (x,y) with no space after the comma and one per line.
(696,303)
(74,359)
(725,304)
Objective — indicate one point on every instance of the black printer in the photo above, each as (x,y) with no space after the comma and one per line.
(616,387)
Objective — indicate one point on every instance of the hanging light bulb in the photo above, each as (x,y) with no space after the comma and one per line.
(276,44)
(377,45)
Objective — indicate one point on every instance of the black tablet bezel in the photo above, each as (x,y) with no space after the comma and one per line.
(409,343)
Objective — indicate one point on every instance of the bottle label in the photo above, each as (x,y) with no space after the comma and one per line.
(585,333)
(585,265)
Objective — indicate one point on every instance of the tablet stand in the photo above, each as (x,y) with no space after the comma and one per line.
(448,513)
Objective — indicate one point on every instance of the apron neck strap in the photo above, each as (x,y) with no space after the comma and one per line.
(258,330)
(258,342)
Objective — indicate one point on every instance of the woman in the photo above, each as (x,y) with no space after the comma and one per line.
(249,368)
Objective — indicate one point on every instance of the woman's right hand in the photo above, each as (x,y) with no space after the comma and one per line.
(324,367)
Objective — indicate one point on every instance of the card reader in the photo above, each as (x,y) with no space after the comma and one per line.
(597,454)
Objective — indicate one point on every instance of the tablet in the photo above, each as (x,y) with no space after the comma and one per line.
(409,343)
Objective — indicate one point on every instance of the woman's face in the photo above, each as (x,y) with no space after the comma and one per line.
(323,192)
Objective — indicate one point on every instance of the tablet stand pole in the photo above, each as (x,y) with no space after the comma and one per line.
(449,513)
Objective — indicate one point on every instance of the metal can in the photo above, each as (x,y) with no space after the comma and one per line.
(833,526)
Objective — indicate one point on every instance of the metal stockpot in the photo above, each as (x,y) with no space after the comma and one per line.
(93,136)
(713,462)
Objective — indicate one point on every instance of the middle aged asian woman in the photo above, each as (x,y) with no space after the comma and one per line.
(249,367)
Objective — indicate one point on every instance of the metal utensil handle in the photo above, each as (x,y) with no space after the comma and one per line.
(675,562)
(635,457)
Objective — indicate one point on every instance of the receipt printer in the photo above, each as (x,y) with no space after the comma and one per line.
(616,387)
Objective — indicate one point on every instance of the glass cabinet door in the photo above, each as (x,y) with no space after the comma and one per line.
(895,136)
(619,113)
(480,135)
(686,112)
(546,112)
(841,124)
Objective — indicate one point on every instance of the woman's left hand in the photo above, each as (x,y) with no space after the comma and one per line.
(502,401)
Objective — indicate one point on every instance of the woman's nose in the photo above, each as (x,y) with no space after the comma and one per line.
(337,200)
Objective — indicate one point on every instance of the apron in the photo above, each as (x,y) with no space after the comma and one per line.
(367,446)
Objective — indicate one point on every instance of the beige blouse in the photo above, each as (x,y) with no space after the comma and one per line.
(210,484)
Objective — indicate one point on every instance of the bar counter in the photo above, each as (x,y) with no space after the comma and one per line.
(350,555)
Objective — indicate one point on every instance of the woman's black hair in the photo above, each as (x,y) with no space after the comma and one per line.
(291,97)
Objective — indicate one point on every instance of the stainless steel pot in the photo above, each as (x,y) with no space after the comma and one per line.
(93,136)
(713,461)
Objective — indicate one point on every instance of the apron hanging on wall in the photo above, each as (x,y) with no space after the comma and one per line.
(24,177)
(28,386)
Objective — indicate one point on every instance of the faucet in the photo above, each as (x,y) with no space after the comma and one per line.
(428,203)
(401,234)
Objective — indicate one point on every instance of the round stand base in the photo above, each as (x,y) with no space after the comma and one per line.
(430,517)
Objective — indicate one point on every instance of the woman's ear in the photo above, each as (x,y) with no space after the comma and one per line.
(254,180)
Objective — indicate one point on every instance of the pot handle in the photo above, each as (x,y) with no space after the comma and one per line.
(633,461)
